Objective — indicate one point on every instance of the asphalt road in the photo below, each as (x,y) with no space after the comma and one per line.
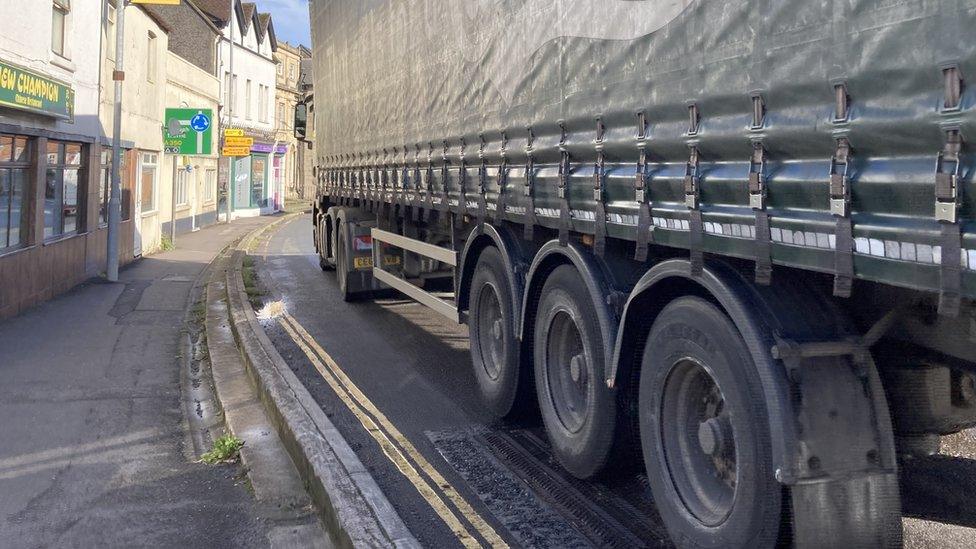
(413,365)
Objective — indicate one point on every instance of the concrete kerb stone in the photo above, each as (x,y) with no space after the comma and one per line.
(353,507)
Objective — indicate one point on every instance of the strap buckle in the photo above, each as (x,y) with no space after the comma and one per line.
(840,182)
(563,180)
(692,180)
(947,182)
(640,183)
(757,178)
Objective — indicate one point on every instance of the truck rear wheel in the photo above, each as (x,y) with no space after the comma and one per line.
(342,261)
(704,431)
(494,350)
(578,409)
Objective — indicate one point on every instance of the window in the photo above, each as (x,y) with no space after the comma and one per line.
(280,68)
(210,185)
(105,186)
(181,186)
(280,121)
(59,26)
(247,100)
(15,160)
(148,186)
(110,32)
(237,97)
(262,103)
(227,89)
(61,190)
(291,72)
(151,57)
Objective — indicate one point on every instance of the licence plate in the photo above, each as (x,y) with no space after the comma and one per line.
(391,260)
(362,262)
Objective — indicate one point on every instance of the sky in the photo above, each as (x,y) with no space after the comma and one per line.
(290,20)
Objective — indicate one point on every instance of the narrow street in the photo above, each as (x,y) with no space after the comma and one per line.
(413,368)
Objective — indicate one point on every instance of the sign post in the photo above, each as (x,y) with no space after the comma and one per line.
(188,132)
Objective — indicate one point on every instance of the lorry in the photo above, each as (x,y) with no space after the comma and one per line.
(735,238)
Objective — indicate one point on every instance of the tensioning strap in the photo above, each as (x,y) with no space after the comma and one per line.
(562,190)
(692,202)
(757,200)
(600,210)
(840,207)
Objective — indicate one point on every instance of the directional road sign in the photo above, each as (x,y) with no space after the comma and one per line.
(239,142)
(233,132)
(236,151)
(188,131)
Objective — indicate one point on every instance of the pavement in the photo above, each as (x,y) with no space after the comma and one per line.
(93,441)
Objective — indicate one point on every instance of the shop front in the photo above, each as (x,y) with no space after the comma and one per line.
(257,180)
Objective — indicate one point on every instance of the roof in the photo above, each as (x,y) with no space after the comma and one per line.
(263,20)
(160,13)
(266,29)
(219,10)
(250,9)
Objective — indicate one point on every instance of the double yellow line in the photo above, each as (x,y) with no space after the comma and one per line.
(431,485)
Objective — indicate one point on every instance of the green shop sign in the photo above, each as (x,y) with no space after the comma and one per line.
(28,91)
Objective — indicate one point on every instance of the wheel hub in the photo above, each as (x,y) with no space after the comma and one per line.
(714,434)
(567,372)
(577,365)
(699,441)
(492,331)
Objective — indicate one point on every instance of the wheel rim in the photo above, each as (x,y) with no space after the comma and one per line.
(491,336)
(699,442)
(567,372)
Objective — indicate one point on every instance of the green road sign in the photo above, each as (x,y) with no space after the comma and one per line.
(27,90)
(188,131)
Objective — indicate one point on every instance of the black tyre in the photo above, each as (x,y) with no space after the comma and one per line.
(491,323)
(342,260)
(578,409)
(322,244)
(705,432)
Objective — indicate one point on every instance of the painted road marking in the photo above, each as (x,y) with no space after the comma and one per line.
(382,430)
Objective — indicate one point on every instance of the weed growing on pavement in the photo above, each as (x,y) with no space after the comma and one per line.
(224,449)
(165,243)
(251,283)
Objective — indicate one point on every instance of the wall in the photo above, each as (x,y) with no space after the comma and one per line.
(248,65)
(188,85)
(43,269)
(26,41)
(142,110)
(286,97)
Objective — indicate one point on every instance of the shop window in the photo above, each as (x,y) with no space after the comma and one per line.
(259,167)
(61,192)
(105,186)
(14,172)
(148,182)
